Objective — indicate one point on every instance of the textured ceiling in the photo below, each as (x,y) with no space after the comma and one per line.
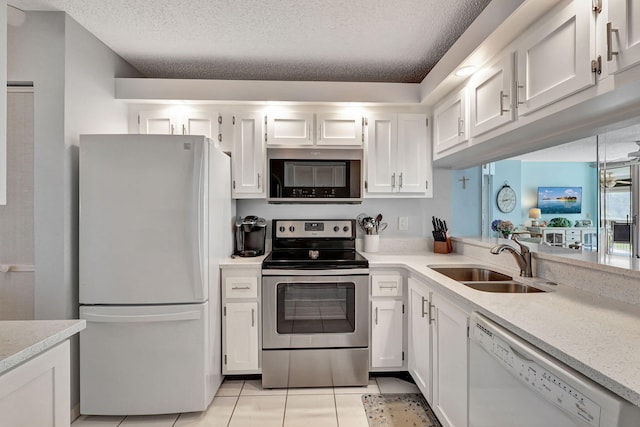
(332,40)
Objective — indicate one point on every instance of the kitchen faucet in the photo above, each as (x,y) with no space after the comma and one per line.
(523,258)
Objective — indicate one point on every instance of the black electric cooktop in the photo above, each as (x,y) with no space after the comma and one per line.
(314,259)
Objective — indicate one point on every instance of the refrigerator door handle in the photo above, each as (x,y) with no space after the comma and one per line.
(164,317)
(198,185)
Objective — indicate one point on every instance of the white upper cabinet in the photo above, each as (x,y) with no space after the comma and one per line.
(289,129)
(382,142)
(201,123)
(554,57)
(623,34)
(490,96)
(248,157)
(158,122)
(170,122)
(398,155)
(413,154)
(340,129)
(450,123)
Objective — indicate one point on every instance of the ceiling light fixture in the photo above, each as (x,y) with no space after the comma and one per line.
(465,71)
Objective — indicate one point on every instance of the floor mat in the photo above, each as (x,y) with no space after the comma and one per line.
(398,410)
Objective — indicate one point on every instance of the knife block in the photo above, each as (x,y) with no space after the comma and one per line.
(442,247)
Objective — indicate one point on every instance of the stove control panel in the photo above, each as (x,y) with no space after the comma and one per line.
(301,229)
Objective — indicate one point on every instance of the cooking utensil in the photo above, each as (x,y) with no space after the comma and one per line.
(383,226)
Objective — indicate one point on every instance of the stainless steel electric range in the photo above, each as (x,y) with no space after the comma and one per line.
(315,306)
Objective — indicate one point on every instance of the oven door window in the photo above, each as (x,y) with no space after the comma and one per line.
(318,307)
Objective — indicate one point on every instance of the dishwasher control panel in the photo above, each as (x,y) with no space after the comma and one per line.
(518,361)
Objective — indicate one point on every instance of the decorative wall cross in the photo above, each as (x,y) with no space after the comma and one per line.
(464,180)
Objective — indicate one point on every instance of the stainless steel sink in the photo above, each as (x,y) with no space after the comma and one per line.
(502,287)
(484,279)
(470,274)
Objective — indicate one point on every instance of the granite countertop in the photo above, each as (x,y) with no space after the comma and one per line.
(20,340)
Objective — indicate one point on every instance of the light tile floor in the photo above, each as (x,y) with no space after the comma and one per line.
(246,403)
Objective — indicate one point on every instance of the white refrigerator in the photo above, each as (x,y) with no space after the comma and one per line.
(156,217)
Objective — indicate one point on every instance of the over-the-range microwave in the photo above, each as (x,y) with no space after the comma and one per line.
(315,181)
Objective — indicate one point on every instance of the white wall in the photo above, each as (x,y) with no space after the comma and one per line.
(3,104)
(419,211)
(73,75)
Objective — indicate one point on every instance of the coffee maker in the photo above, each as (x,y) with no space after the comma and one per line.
(251,232)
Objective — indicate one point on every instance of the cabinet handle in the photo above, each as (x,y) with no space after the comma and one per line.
(610,51)
(258,180)
(237,288)
(388,287)
(184,130)
(376,316)
(400,186)
(171,129)
(460,127)
(393,181)
(502,97)
(423,313)
(431,307)
(518,87)
(253,317)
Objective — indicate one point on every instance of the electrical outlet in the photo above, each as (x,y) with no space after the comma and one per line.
(403,223)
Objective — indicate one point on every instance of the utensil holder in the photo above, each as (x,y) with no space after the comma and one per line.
(371,242)
(442,247)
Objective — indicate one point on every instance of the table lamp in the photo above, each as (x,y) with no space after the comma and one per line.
(534,214)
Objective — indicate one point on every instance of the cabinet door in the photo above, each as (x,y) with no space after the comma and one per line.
(623,36)
(201,123)
(554,58)
(411,160)
(248,159)
(490,97)
(420,336)
(386,334)
(36,392)
(241,336)
(450,369)
(158,123)
(289,129)
(340,129)
(382,139)
(450,124)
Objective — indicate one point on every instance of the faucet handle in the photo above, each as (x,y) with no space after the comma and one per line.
(523,248)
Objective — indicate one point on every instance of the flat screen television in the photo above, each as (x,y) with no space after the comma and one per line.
(560,200)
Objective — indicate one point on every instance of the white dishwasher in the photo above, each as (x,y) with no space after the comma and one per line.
(512,383)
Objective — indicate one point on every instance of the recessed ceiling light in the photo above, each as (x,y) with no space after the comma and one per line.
(465,71)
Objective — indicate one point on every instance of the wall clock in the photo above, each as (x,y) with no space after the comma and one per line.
(506,199)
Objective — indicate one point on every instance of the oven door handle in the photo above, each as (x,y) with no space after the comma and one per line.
(336,272)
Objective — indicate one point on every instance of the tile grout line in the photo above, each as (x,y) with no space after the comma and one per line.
(235,405)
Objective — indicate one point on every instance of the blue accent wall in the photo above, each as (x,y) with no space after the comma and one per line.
(466,202)
(560,174)
(511,172)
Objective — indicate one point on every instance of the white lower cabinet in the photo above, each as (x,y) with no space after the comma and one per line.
(387,321)
(386,334)
(36,393)
(450,367)
(438,352)
(241,321)
(420,336)
(241,332)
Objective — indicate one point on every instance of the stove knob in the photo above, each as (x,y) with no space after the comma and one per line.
(345,228)
(336,228)
(292,229)
(281,229)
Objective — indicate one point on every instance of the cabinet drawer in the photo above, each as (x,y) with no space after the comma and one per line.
(241,287)
(572,233)
(386,285)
